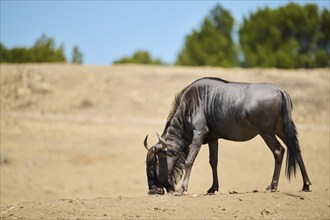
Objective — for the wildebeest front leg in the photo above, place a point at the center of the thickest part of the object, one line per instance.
(195, 147)
(213, 149)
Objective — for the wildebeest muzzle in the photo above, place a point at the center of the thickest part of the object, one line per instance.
(157, 168)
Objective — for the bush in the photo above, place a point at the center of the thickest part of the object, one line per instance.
(139, 57)
(43, 50)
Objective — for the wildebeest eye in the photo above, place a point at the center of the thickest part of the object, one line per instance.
(169, 152)
(172, 155)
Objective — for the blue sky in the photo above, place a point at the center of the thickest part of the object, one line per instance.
(108, 30)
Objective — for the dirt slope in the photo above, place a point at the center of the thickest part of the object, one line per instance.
(71, 145)
(223, 206)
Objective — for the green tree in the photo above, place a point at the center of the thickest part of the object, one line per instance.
(77, 56)
(4, 54)
(212, 44)
(323, 40)
(140, 57)
(44, 50)
(291, 36)
(21, 55)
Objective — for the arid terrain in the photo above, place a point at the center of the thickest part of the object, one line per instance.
(72, 145)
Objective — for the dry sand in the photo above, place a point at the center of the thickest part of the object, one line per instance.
(72, 145)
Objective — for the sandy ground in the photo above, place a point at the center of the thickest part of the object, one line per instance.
(72, 145)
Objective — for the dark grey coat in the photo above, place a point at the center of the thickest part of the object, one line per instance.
(210, 109)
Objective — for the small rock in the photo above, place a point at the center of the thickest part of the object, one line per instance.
(195, 195)
(85, 103)
(265, 212)
(4, 159)
(23, 91)
(44, 87)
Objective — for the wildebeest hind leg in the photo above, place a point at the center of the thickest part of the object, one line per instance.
(278, 152)
(304, 174)
(306, 181)
(213, 149)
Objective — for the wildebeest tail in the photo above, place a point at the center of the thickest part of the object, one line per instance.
(290, 135)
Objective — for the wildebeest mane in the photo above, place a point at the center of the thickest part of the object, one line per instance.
(179, 167)
(175, 105)
(214, 78)
(177, 100)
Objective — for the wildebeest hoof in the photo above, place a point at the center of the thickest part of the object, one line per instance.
(306, 188)
(212, 190)
(179, 192)
(271, 189)
(156, 191)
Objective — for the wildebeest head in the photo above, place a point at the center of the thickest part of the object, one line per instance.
(161, 159)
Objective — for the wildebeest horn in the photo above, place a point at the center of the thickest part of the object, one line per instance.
(162, 141)
(146, 143)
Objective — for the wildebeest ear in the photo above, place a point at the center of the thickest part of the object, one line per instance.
(158, 147)
(162, 141)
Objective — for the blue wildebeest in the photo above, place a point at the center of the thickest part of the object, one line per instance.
(210, 109)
